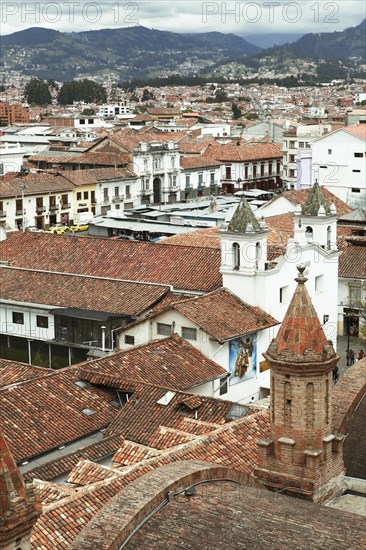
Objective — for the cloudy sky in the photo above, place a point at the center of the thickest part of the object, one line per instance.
(242, 17)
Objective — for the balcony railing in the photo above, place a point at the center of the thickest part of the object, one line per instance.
(66, 206)
(118, 198)
(53, 207)
(2, 214)
(19, 212)
(40, 209)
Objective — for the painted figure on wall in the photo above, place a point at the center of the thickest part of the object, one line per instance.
(242, 358)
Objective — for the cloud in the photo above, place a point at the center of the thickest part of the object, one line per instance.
(239, 17)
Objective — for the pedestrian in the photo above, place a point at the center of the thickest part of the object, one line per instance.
(352, 357)
(335, 374)
(361, 355)
(348, 357)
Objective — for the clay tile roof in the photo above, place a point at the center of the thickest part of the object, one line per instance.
(13, 372)
(192, 403)
(86, 472)
(245, 153)
(51, 492)
(79, 292)
(185, 268)
(233, 445)
(209, 312)
(11, 483)
(35, 184)
(55, 468)
(301, 337)
(197, 161)
(144, 405)
(300, 196)
(352, 261)
(131, 452)
(41, 414)
(243, 219)
(171, 362)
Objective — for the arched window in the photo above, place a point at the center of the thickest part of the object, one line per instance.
(329, 234)
(236, 256)
(309, 233)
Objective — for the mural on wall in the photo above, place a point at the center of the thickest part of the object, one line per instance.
(243, 358)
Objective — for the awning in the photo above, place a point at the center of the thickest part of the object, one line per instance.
(84, 314)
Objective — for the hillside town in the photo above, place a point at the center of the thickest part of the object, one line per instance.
(183, 316)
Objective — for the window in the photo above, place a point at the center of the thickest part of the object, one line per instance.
(18, 318)
(82, 121)
(128, 192)
(86, 194)
(292, 145)
(283, 294)
(129, 339)
(42, 321)
(262, 169)
(212, 178)
(329, 151)
(291, 173)
(164, 329)
(189, 333)
(358, 155)
(355, 190)
(223, 387)
(200, 178)
(319, 283)
(325, 319)
(105, 194)
(116, 191)
(78, 196)
(188, 180)
(307, 145)
(90, 121)
(254, 170)
(292, 158)
(301, 144)
(236, 256)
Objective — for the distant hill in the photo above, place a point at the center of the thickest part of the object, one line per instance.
(337, 45)
(271, 39)
(132, 51)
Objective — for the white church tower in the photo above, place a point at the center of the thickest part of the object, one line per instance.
(320, 219)
(243, 251)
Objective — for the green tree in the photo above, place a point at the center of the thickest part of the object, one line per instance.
(236, 111)
(37, 92)
(84, 90)
(88, 112)
(251, 116)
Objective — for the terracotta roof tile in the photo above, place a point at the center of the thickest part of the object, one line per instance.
(10, 186)
(352, 261)
(185, 268)
(170, 362)
(41, 414)
(79, 292)
(13, 372)
(130, 453)
(232, 445)
(209, 312)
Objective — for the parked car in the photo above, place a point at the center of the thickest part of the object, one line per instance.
(35, 230)
(79, 227)
(57, 229)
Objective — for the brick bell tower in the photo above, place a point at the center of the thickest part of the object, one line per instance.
(19, 509)
(303, 457)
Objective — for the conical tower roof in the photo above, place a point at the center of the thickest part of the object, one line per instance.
(18, 506)
(301, 337)
(243, 220)
(314, 201)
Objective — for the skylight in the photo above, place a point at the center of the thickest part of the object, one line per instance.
(166, 399)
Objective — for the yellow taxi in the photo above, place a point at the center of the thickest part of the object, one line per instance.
(57, 229)
(79, 227)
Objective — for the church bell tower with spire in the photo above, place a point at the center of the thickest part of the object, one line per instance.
(302, 457)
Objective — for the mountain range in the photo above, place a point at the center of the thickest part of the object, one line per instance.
(139, 52)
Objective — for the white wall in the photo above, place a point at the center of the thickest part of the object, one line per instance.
(334, 166)
(29, 329)
(245, 391)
